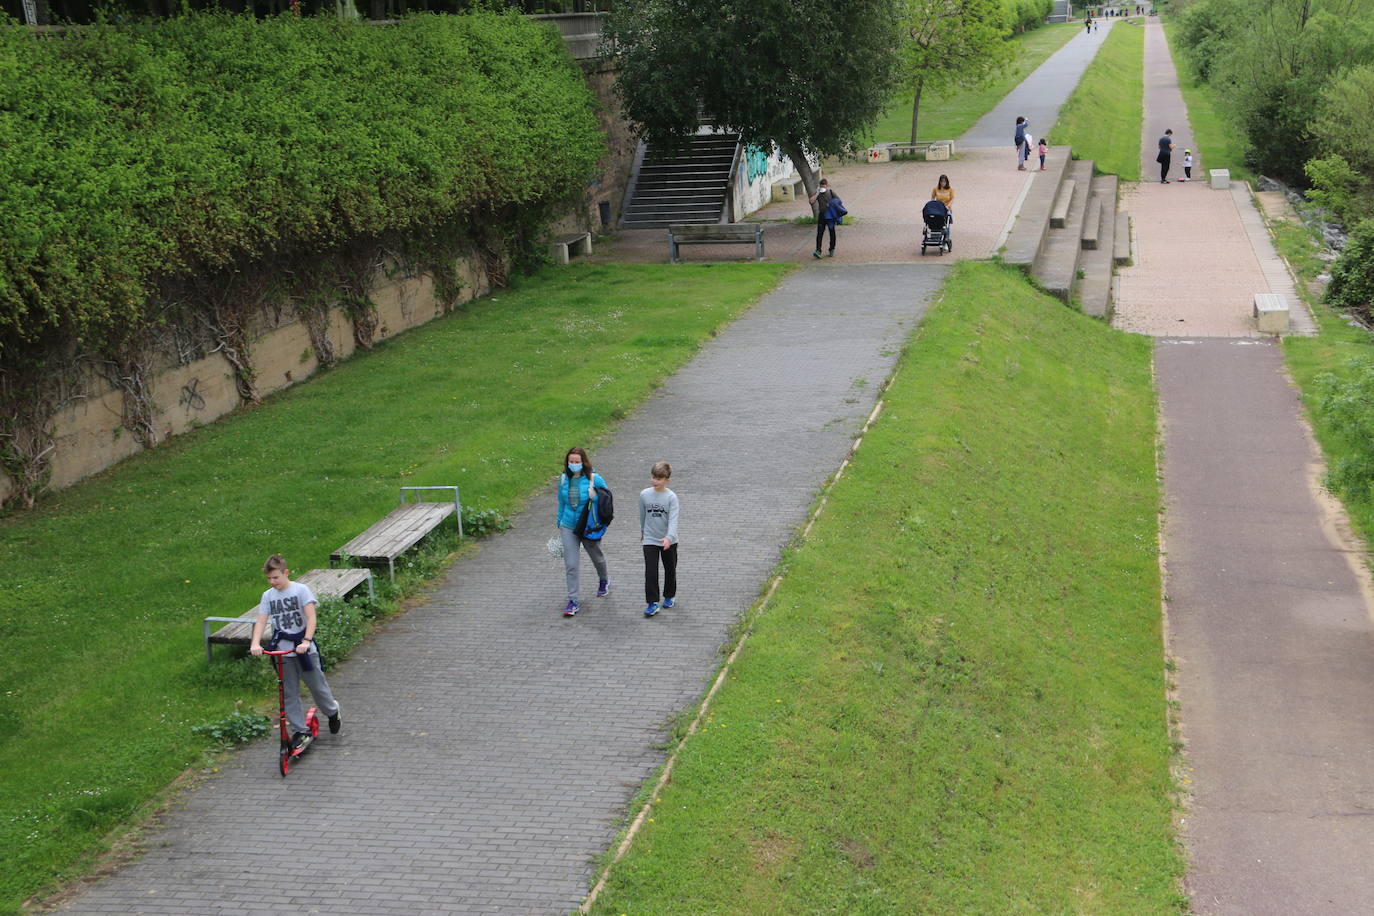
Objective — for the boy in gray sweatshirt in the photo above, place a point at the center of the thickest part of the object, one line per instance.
(658, 531)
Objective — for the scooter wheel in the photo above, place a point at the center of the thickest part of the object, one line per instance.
(285, 762)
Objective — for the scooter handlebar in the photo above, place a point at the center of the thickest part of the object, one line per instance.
(279, 652)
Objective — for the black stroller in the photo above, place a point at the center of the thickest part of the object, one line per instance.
(936, 233)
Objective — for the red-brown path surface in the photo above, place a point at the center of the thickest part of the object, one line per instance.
(1268, 610)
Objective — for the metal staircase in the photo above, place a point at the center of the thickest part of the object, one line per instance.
(686, 184)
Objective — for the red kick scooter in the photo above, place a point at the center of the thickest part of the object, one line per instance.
(312, 721)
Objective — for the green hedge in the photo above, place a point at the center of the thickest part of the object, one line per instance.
(133, 154)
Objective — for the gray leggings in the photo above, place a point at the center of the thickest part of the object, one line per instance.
(571, 560)
(292, 675)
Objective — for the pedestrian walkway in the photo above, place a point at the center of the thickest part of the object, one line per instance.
(1040, 95)
(884, 201)
(1269, 607)
(490, 746)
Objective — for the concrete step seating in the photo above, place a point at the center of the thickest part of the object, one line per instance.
(1121, 247)
(1063, 200)
(1069, 224)
(1057, 262)
(1032, 224)
(1093, 290)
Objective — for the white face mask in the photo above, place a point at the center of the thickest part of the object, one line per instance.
(575, 468)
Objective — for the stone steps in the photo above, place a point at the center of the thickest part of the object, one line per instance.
(1057, 264)
(1094, 289)
(1028, 233)
(1069, 225)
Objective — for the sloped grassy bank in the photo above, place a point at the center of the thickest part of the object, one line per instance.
(103, 676)
(954, 702)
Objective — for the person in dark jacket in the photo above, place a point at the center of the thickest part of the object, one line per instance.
(828, 215)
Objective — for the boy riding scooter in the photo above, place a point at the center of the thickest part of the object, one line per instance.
(291, 607)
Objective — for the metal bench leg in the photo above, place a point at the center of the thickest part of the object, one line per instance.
(672, 250)
(209, 655)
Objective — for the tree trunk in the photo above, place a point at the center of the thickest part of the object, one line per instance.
(916, 109)
(809, 178)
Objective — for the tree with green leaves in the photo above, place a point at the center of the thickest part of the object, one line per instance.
(948, 43)
(805, 76)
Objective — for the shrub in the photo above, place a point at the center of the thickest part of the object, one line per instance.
(1352, 276)
(235, 728)
(136, 153)
(478, 523)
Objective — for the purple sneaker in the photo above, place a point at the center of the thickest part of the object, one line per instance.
(571, 610)
(603, 588)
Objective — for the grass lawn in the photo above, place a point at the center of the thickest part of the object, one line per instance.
(948, 117)
(103, 673)
(1220, 144)
(955, 700)
(1101, 120)
(1334, 352)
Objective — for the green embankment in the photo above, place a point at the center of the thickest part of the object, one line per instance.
(1102, 119)
(955, 700)
(103, 674)
(947, 116)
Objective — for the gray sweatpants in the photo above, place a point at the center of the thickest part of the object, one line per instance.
(571, 560)
(292, 675)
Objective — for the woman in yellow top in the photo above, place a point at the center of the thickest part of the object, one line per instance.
(944, 193)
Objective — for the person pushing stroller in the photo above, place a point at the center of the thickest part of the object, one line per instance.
(938, 216)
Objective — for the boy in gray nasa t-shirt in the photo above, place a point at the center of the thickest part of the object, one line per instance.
(658, 530)
(291, 608)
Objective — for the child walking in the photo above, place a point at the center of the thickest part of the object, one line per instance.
(658, 509)
(1044, 148)
(1187, 165)
(291, 607)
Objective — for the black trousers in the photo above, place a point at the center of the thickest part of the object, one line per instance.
(1164, 166)
(821, 223)
(652, 555)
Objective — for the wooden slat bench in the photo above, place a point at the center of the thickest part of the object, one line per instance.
(325, 583)
(715, 234)
(401, 530)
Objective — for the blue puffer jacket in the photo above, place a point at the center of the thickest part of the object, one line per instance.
(568, 513)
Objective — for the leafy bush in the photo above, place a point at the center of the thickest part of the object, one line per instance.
(1352, 276)
(235, 728)
(478, 523)
(136, 153)
(1339, 189)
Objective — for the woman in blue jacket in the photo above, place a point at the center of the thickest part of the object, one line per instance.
(576, 488)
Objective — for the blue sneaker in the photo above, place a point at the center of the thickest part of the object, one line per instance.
(651, 610)
(603, 588)
(667, 602)
(571, 610)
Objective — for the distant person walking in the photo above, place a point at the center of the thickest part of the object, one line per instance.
(576, 501)
(1166, 154)
(1022, 147)
(1087, 25)
(1044, 148)
(829, 212)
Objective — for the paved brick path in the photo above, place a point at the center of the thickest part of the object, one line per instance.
(490, 746)
(1040, 95)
